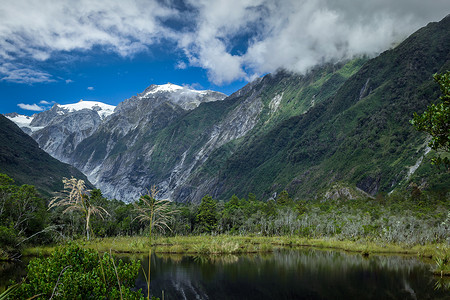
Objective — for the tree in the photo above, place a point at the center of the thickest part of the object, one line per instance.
(436, 120)
(233, 215)
(283, 199)
(22, 215)
(207, 215)
(28, 210)
(75, 198)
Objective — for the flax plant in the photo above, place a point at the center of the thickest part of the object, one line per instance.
(157, 213)
(75, 198)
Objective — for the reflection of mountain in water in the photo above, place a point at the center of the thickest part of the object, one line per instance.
(302, 274)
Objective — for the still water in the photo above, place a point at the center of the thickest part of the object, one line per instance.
(291, 274)
(284, 274)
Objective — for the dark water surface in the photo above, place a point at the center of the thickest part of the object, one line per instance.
(284, 274)
(12, 271)
(291, 274)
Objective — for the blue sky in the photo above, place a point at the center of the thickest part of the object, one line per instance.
(64, 51)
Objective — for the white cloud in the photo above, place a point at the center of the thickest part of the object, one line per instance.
(298, 34)
(193, 86)
(69, 80)
(91, 88)
(32, 107)
(181, 65)
(20, 73)
(292, 34)
(46, 103)
(38, 29)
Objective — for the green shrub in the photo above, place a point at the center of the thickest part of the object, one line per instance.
(9, 239)
(8, 236)
(76, 273)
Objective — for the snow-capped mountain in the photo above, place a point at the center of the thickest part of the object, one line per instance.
(47, 117)
(103, 110)
(61, 130)
(23, 122)
(31, 124)
(186, 98)
(121, 148)
(20, 120)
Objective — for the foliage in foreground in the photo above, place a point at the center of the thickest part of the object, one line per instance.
(76, 273)
(436, 120)
(22, 214)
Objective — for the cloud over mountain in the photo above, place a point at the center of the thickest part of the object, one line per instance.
(32, 107)
(231, 39)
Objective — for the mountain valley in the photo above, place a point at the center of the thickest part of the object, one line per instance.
(340, 126)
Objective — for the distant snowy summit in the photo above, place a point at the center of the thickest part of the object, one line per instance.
(185, 97)
(31, 124)
(103, 110)
(62, 128)
(168, 87)
(172, 88)
(20, 120)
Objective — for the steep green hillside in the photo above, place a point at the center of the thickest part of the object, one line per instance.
(360, 136)
(266, 103)
(23, 160)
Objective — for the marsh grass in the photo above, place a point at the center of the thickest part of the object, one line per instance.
(10, 290)
(75, 197)
(442, 264)
(228, 244)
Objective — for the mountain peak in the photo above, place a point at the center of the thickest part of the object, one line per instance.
(101, 108)
(182, 96)
(170, 88)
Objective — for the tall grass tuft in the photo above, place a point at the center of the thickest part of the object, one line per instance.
(158, 214)
(75, 197)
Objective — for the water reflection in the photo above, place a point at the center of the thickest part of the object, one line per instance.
(287, 274)
(296, 274)
(14, 270)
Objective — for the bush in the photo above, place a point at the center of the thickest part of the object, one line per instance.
(9, 239)
(76, 273)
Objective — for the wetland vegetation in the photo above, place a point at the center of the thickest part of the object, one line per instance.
(416, 225)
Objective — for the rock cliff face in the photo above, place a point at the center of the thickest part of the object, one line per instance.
(110, 144)
(160, 137)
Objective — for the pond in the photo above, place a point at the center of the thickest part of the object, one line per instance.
(292, 274)
(284, 274)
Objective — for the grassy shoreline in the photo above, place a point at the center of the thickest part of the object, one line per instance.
(229, 244)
